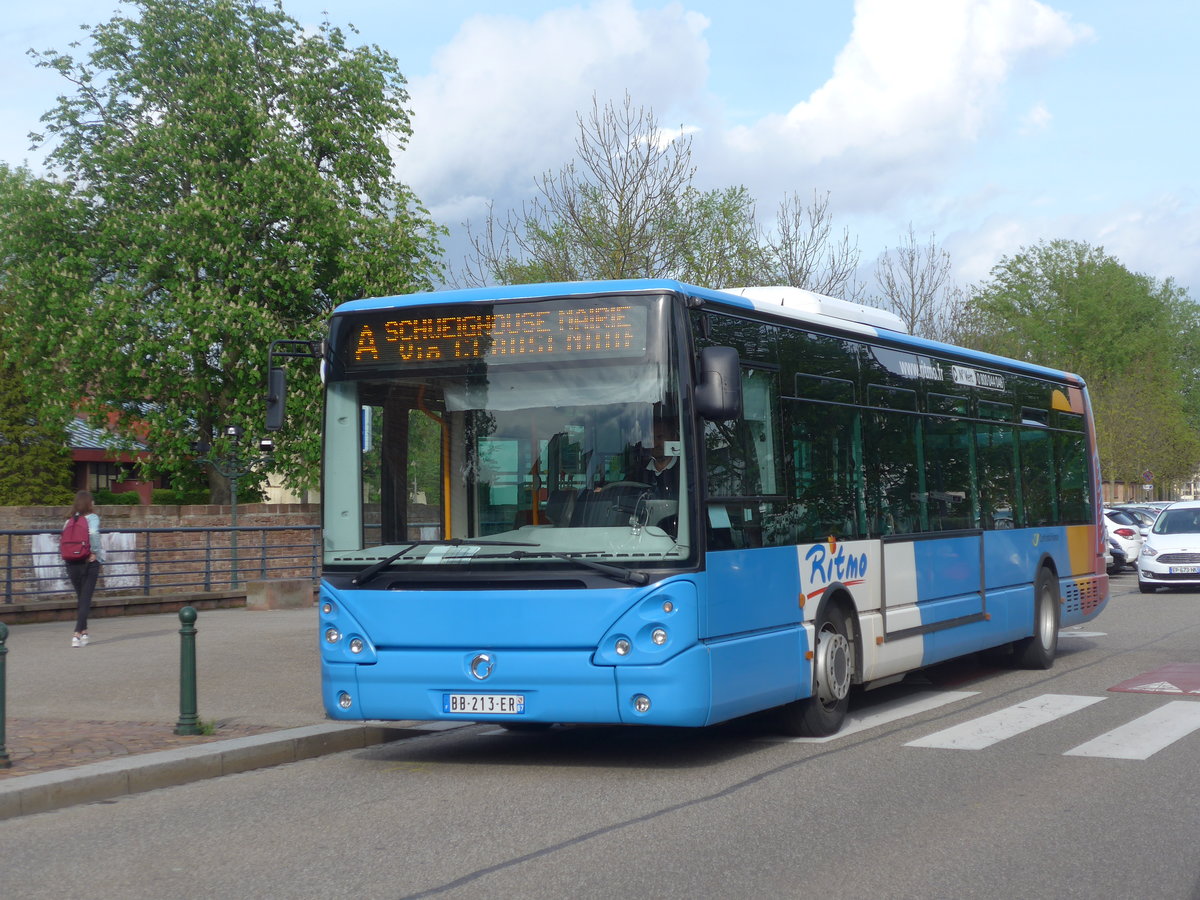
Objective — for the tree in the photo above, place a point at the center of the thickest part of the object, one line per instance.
(803, 252)
(1139, 427)
(914, 280)
(1070, 306)
(625, 208)
(35, 463)
(227, 178)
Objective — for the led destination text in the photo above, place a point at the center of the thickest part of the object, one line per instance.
(591, 331)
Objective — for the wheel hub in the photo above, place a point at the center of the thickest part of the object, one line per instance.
(833, 667)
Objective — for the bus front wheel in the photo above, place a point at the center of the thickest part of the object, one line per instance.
(1037, 651)
(833, 668)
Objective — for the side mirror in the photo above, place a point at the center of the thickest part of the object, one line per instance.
(276, 398)
(719, 385)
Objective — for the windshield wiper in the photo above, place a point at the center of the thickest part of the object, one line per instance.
(629, 576)
(375, 568)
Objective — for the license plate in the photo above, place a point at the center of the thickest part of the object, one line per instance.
(484, 704)
(1185, 570)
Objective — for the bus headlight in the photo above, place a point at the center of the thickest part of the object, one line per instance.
(345, 701)
(332, 635)
(356, 645)
(622, 647)
(659, 636)
(641, 703)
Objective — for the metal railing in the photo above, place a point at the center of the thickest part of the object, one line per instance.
(153, 560)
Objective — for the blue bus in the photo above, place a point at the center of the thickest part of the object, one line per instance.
(646, 502)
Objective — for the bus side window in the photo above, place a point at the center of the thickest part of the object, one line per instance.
(825, 494)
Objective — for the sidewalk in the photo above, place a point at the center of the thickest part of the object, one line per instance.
(98, 721)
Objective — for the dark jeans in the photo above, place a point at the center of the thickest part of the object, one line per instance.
(83, 577)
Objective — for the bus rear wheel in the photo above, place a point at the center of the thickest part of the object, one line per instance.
(833, 668)
(1038, 651)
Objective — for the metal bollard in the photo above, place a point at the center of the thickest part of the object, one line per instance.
(5, 762)
(189, 718)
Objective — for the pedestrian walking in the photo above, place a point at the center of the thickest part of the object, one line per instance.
(82, 555)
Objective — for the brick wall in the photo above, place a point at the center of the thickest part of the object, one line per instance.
(173, 560)
(117, 518)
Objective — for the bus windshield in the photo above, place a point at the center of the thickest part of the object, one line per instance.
(540, 454)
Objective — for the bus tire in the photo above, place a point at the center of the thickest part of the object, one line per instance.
(1038, 651)
(833, 668)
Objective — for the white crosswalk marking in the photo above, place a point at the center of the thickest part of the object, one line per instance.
(1145, 736)
(991, 729)
(882, 714)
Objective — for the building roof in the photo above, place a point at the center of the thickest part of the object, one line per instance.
(81, 436)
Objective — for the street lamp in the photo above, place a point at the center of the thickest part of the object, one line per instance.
(234, 465)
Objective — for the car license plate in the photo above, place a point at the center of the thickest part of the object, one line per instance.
(1185, 570)
(484, 704)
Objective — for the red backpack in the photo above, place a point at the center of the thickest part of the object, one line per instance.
(75, 543)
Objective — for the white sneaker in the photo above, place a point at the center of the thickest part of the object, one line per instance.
(83, 639)
(75, 641)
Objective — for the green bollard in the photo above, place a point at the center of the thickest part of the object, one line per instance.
(5, 762)
(189, 718)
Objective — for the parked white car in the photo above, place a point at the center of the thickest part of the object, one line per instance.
(1171, 554)
(1126, 531)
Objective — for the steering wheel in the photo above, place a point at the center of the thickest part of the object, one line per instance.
(625, 484)
(624, 494)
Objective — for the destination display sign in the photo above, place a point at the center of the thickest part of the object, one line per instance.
(511, 334)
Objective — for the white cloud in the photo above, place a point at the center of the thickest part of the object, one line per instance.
(915, 84)
(911, 95)
(1037, 119)
(1160, 238)
(499, 107)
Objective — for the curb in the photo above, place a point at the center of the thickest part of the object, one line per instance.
(47, 791)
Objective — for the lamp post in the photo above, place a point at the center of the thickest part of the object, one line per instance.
(234, 465)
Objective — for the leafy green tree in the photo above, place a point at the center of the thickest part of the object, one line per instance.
(1069, 305)
(35, 463)
(224, 178)
(1139, 427)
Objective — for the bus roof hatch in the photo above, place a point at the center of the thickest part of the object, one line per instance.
(815, 304)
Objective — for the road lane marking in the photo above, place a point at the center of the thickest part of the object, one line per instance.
(998, 726)
(1174, 678)
(882, 714)
(1146, 735)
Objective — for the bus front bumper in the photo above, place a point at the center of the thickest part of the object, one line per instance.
(444, 685)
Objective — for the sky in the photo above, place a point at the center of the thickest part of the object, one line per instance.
(986, 125)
